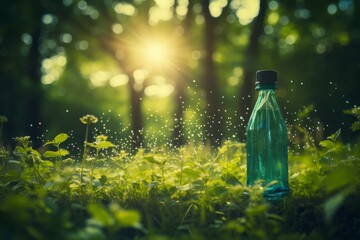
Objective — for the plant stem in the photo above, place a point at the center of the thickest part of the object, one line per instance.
(182, 151)
(39, 177)
(92, 168)
(181, 170)
(163, 173)
(82, 189)
(84, 154)
(227, 163)
(58, 150)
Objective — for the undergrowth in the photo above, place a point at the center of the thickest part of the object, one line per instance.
(186, 193)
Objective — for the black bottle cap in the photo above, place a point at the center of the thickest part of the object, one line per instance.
(266, 79)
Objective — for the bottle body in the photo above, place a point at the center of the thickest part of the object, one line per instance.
(267, 146)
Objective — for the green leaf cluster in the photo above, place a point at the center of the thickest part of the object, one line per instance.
(191, 192)
(60, 138)
(356, 113)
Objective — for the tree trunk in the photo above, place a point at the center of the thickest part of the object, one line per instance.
(250, 67)
(136, 115)
(35, 93)
(213, 132)
(178, 134)
(111, 45)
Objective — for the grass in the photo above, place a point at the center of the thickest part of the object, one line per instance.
(187, 193)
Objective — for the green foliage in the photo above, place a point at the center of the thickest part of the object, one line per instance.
(60, 138)
(114, 217)
(191, 192)
(329, 143)
(356, 113)
(101, 143)
(35, 167)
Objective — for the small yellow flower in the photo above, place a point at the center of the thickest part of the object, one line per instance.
(23, 139)
(88, 119)
(101, 138)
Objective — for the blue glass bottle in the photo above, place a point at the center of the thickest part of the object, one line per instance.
(267, 142)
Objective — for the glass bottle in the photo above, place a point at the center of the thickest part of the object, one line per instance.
(267, 142)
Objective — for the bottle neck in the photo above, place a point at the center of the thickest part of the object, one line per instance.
(262, 86)
(267, 94)
(266, 91)
(266, 100)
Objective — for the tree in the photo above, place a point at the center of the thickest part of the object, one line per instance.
(22, 21)
(183, 77)
(35, 93)
(213, 131)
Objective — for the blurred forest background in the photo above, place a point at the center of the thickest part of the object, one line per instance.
(169, 72)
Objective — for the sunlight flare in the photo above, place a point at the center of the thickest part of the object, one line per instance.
(157, 52)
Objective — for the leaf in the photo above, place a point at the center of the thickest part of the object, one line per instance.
(20, 151)
(230, 179)
(103, 179)
(333, 204)
(327, 144)
(163, 162)
(219, 190)
(93, 145)
(275, 217)
(306, 111)
(354, 111)
(192, 173)
(47, 164)
(101, 215)
(256, 210)
(63, 152)
(104, 145)
(62, 137)
(355, 126)
(34, 152)
(151, 159)
(126, 218)
(235, 226)
(14, 162)
(186, 187)
(341, 177)
(51, 154)
(69, 160)
(222, 150)
(92, 232)
(49, 143)
(333, 137)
